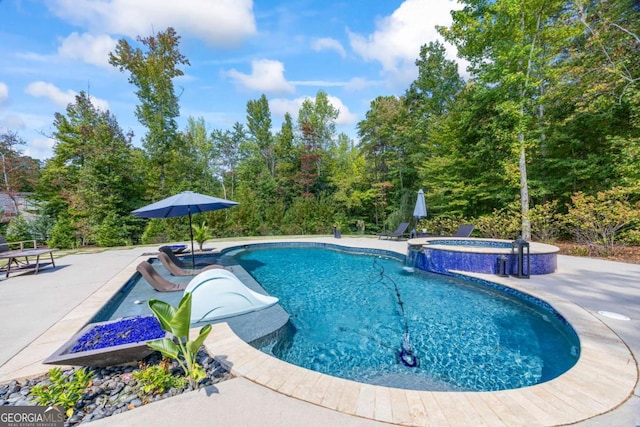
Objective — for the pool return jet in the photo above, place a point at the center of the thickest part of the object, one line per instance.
(405, 354)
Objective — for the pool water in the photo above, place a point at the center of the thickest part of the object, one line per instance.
(346, 320)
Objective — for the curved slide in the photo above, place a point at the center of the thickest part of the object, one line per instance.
(216, 294)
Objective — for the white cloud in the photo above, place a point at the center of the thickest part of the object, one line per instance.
(219, 22)
(4, 92)
(266, 76)
(12, 121)
(88, 48)
(328, 44)
(396, 42)
(280, 106)
(51, 92)
(359, 83)
(40, 148)
(345, 117)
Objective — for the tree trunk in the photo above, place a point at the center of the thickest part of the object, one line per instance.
(524, 190)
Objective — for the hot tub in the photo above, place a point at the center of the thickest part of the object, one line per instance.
(444, 254)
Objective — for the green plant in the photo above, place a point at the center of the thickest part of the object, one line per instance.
(61, 390)
(442, 226)
(201, 234)
(18, 229)
(177, 321)
(155, 379)
(546, 223)
(112, 231)
(63, 234)
(597, 220)
(501, 223)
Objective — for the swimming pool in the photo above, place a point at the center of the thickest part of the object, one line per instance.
(346, 320)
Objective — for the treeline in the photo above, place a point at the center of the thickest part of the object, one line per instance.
(549, 115)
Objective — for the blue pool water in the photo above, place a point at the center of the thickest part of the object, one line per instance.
(346, 321)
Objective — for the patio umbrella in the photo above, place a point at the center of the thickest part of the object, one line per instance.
(185, 203)
(420, 211)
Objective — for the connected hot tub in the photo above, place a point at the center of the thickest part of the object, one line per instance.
(444, 254)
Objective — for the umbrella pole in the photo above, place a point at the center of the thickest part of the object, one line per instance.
(193, 256)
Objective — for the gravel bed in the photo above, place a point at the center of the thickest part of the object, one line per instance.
(113, 389)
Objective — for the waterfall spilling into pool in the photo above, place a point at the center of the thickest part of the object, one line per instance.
(469, 336)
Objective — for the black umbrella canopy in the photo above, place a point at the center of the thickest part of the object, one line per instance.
(185, 203)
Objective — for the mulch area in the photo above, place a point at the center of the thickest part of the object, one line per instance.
(628, 254)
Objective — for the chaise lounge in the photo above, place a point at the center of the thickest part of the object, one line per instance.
(464, 230)
(177, 261)
(156, 280)
(401, 231)
(176, 270)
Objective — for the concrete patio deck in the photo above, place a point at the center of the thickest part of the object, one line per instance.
(40, 312)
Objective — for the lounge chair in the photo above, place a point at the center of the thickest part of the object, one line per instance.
(464, 230)
(156, 280)
(176, 270)
(177, 261)
(401, 231)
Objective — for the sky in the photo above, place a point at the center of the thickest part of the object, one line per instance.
(354, 50)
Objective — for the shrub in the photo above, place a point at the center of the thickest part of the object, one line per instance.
(546, 223)
(597, 220)
(155, 232)
(501, 223)
(18, 229)
(62, 390)
(155, 379)
(441, 226)
(112, 231)
(63, 234)
(41, 227)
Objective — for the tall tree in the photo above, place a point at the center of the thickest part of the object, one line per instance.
(259, 125)
(19, 173)
(317, 131)
(152, 71)
(92, 177)
(227, 156)
(504, 40)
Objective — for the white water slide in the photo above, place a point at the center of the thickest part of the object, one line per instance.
(217, 294)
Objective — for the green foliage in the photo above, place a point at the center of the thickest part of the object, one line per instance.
(152, 71)
(155, 379)
(155, 232)
(552, 96)
(19, 229)
(62, 389)
(442, 226)
(201, 233)
(92, 176)
(177, 321)
(501, 223)
(63, 234)
(546, 222)
(112, 231)
(597, 220)
(41, 227)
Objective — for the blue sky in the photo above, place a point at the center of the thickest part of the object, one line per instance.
(238, 49)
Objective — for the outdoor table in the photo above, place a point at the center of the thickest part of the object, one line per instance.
(15, 258)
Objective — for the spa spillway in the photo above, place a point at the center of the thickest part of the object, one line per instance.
(444, 254)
